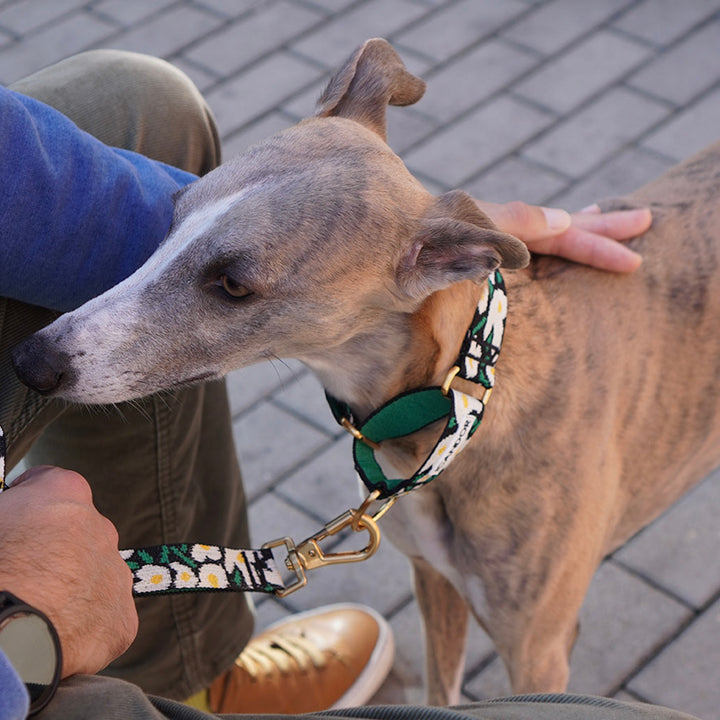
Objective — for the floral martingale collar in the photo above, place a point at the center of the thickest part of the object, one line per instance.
(413, 410)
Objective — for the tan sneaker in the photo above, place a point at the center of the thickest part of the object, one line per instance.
(334, 656)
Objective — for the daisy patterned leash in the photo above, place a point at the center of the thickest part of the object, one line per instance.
(183, 567)
(194, 567)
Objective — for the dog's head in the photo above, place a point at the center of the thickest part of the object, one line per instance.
(314, 237)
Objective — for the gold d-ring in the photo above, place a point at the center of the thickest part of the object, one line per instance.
(357, 434)
(452, 372)
(366, 503)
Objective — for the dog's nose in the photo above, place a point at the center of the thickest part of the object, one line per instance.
(37, 366)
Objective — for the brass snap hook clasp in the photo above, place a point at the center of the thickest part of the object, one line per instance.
(309, 555)
(312, 555)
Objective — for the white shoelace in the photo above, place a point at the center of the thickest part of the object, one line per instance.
(279, 652)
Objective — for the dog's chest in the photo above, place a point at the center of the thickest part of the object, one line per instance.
(418, 526)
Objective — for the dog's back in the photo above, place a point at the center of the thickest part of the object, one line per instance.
(605, 411)
(669, 398)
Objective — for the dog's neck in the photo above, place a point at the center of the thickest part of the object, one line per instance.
(408, 351)
(417, 350)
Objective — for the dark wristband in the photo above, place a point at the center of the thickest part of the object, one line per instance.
(31, 644)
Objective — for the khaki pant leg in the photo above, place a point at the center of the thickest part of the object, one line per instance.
(81, 696)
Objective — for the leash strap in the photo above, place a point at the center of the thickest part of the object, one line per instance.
(411, 411)
(185, 567)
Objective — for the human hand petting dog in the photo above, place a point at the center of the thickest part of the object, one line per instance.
(60, 555)
(589, 237)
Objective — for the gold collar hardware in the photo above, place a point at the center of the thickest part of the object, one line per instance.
(452, 372)
(451, 375)
(366, 503)
(308, 554)
(345, 422)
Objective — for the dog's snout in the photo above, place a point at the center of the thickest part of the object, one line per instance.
(38, 366)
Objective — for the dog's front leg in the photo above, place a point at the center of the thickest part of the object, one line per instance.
(534, 632)
(445, 621)
(539, 664)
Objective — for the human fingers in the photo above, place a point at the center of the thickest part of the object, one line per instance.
(618, 225)
(591, 237)
(56, 483)
(588, 248)
(82, 583)
(527, 222)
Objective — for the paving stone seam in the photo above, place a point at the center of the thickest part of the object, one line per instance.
(636, 696)
(200, 5)
(669, 46)
(508, 90)
(638, 39)
(696, 614)
(87, 10)
(655, 584)
(677, 109)
(225, 79)
(91, 8)
(636, 142)
(488, 167)
(237, 72)
(276, 480)
(331, 14)
(317, 517)
(19, 38)
(287, 45)
(648, 658)
(465, 50)
(658, 99)
(283, 383)
(544, 59)
(307, 419)
(607, 158)
(605, 24)
(473, 673)
(433, 11)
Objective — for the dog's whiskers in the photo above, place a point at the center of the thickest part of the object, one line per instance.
(271, 358)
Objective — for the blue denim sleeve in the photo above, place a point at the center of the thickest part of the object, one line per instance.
(76, 216)
(14, 698)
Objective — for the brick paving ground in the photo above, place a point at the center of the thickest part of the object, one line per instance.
(550, 101)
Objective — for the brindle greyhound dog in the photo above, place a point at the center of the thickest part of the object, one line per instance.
(318, 244)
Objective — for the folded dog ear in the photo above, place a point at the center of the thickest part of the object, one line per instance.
(373, 77)
(456, 241)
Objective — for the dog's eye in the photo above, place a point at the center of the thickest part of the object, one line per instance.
(232, 288)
